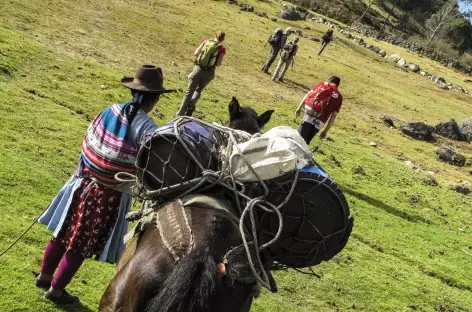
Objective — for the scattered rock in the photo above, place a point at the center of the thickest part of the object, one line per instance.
(358, 170)
(277, 96)
(299, 33)
(174, 64)
(394, 58)
(439, 80)
(291, 14)
(373, 144)
(261, 14)
(334, 160)
(418, 130)
(382, 53)
(273, 19)
(388, 120)
(450, 156)
(414, 68)
(424, 74)
(460, 189)
(317, 149)
(414, 199)
(246, 7)
(430, 181)
(443, 86)
(450, 130)
(466, 129)
(402, 63)
(313, 38)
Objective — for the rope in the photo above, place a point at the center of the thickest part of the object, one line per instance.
(24, 233)
(224, 177)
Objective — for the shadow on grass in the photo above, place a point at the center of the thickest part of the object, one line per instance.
(385, 207)
(75, 308)
(296, 85)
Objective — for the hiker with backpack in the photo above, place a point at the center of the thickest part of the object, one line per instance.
(276, 41)
(208, 55)
(323, 102)
(326, 39)
(286, 59)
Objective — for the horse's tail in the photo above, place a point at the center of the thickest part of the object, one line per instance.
(188, 286)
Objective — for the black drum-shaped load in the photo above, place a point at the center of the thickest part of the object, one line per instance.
(316, 221)
(166, 167)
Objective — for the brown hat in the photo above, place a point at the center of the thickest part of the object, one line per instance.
(148, 79)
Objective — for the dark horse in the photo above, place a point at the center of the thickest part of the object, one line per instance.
(148, 277)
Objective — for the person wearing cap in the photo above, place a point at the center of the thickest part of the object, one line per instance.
(286, 59)
(275, 42)
(209, 55)
(87, 215)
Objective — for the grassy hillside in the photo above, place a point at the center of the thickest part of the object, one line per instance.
(61, 62)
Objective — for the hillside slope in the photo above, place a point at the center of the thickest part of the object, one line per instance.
(61, 62)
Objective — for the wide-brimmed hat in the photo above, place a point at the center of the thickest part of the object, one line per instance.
(148, 79)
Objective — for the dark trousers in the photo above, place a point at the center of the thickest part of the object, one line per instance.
(323, 46)
(271, 59)
(307, 131)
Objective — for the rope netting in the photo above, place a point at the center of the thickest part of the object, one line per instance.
(190, 155)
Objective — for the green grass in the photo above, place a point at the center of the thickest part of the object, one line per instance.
(61, 62)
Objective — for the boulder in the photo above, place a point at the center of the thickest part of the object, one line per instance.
(450, 130)
(418, 130)
(388, 120)
(423, 73)
(394, 58)
(402, 63)
(443, 86)
(299, 33)
(291, 14)
(382, 53)
(414, 68)
(450, 156)
(465, 128)
(440, 80)
(460, 189)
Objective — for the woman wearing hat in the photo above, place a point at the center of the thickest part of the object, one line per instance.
(87, 215)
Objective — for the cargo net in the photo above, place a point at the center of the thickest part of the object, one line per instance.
(178, 160)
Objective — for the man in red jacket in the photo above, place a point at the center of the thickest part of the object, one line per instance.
(323, 102)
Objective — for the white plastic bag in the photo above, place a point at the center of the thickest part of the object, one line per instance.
(273, 154)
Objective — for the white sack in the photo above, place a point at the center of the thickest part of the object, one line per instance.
(273, 154)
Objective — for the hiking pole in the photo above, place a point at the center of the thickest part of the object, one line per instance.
(267, 41)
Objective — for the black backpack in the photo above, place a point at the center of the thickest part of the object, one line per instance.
(275, 38)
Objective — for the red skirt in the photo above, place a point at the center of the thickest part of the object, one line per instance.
(90, 219)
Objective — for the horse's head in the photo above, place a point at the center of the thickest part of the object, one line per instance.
(245, 118)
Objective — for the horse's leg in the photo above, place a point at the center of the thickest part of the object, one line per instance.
(140, 277)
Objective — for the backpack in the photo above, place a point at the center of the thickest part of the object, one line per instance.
(319, 98)
(208, 56)
(289, 49)
(275, 38)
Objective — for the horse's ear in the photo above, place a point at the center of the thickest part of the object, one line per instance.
(264, 118)
(234, 108)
